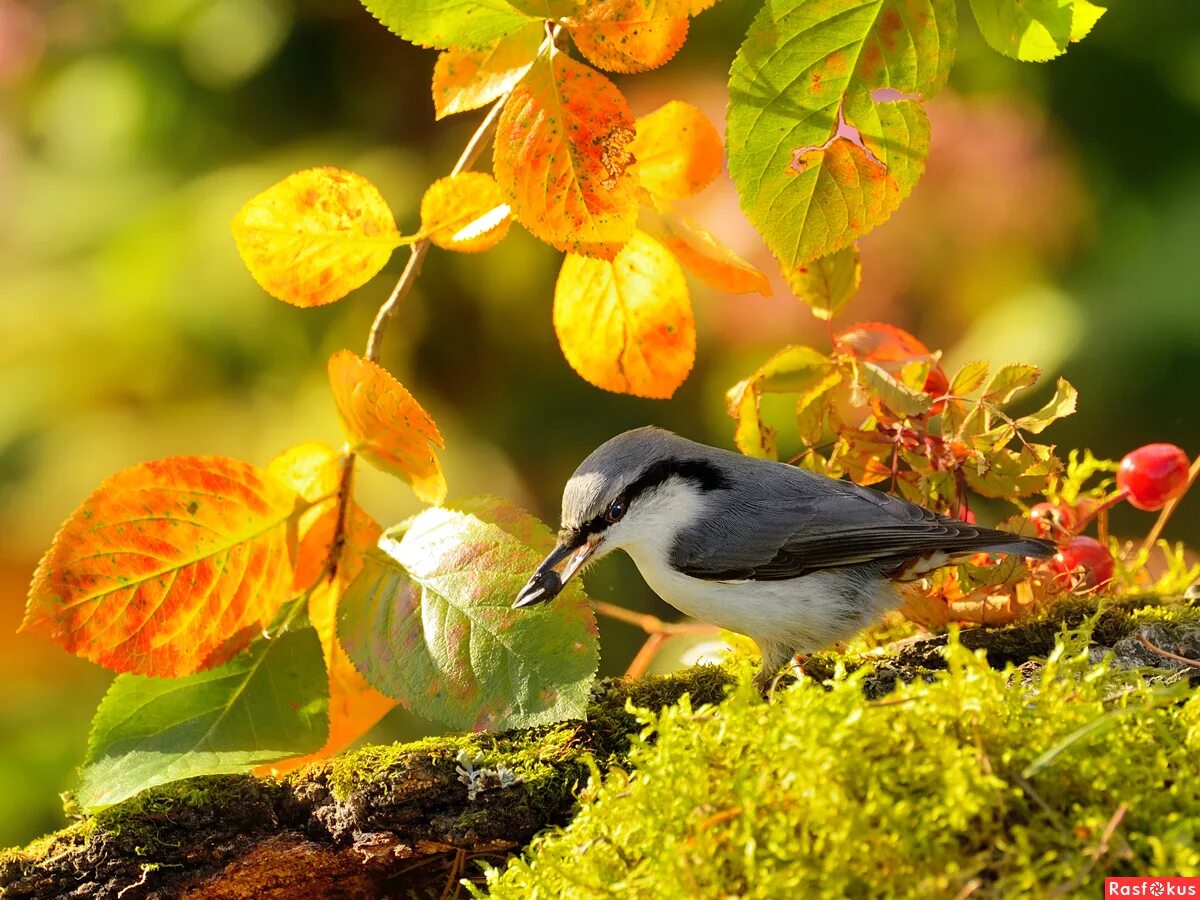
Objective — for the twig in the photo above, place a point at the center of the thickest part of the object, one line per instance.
(1167, 510)
(417, 252)
(648, 623)
(645, 655)
(1167, 654)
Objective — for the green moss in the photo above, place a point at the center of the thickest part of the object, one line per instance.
(995, 783)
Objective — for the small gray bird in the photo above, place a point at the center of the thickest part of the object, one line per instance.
(792, 559)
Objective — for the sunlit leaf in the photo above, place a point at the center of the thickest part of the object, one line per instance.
(1034, 30)
(316, 236)
(826, 130)
(791, 370)
(1005, 474)
(813, 406)
(829, 283)
(562, 155)
(386, 425)
(969, 378)
(678, 150)
(630, 35)
(860, 455)
(468, 79)
(1059, 406)
(429, 621)
(880, 342)
(165, 563)
(465, 212)
(702, 254)
(876, 383)
(448, 23)
(1009, 381)
(265, 704)
(626, 325)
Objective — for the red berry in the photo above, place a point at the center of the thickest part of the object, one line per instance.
(1153, 474)
(1053, 520)
(1084, 562)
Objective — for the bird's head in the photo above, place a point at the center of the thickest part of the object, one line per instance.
(637, 489)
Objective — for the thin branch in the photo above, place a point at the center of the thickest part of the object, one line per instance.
(648, 623)
(1166, 654)
(416, 254)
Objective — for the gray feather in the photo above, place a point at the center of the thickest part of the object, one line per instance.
(770, 521)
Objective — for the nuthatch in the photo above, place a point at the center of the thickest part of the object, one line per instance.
(792, 559)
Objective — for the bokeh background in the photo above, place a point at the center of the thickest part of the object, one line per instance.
(1058, 223)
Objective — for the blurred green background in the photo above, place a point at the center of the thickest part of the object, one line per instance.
(1058, 223)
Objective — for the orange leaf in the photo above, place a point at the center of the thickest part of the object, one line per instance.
(386, 425)
(314, 471)
(630, 35)
(678, 151)
(316, 236)
(354, 706)
(561, 155)
(626, 325)
(164, 564)
(469, 79)
(704, 256)
(465, 212)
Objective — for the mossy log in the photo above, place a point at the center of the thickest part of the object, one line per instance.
(404, 820)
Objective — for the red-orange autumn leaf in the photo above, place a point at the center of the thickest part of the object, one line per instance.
(469, 79)
(316, 236)
(626, 325)
(314, 471)
(678, 151)
(166, 563)
(561, 156)
(630, 35)
(465, 212)
(703, 255)
(386, 425)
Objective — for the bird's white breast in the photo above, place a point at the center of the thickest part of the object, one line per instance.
(805, 613)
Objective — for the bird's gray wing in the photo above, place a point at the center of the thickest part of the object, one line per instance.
(785, 523)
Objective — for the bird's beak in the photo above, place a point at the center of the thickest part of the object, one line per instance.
(556, 570)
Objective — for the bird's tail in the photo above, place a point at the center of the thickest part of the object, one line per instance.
(1015, 545)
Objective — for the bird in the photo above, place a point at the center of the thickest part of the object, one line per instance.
(794, 560)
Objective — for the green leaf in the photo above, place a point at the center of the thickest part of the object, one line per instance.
(429, 621)
(876, 382)
(829, 283)
(446, 24)
(1034, 30)
(969, 378)
(1062, 404)
(826, 129)
(266, 704)
(1009, 381)
(792, 370)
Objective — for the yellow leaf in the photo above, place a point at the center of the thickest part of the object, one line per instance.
(468, 79)
(829, 283)
(316, 236)
(626, 325)
(386, 425)
(561, 157)
(630, 35)
(678, 151)
(465, 212)
(704, 256)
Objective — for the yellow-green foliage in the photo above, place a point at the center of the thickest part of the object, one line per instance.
(978, 782)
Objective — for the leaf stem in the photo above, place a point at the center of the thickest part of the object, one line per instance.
(417, 252)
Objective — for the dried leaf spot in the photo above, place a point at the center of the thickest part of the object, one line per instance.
(615, 156)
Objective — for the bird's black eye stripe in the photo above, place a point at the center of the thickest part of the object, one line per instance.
(703, 474)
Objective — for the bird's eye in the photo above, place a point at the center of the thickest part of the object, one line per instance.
(615, 510)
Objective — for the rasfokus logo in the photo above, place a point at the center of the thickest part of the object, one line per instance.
(1152, 887)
